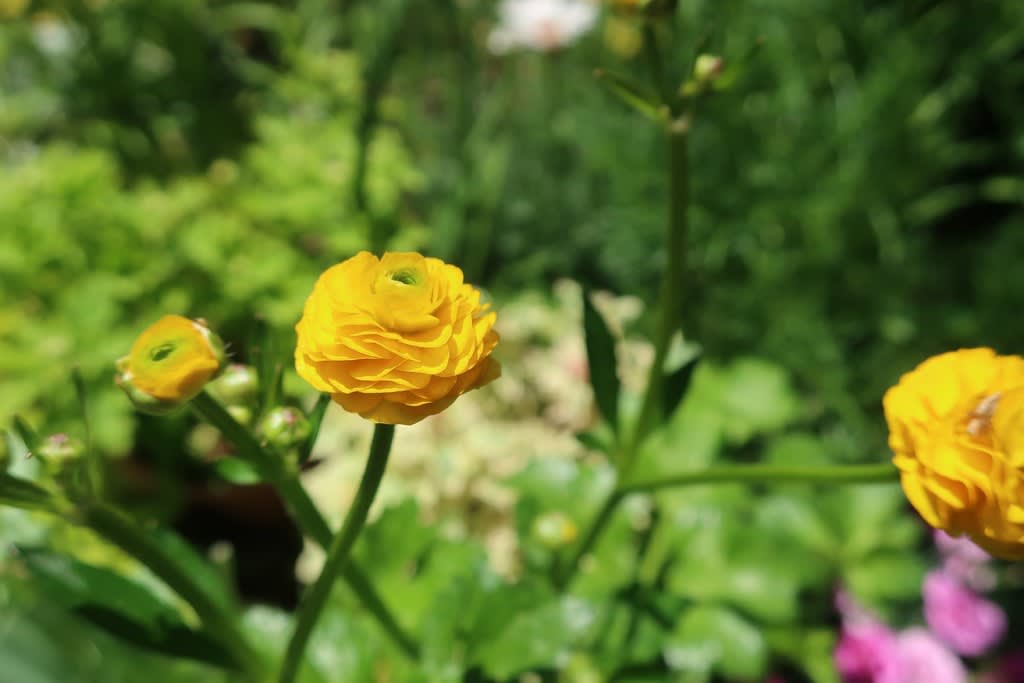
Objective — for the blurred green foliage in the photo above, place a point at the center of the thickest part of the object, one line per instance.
(856, 208)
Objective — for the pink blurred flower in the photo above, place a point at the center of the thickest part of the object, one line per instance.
(926, 660)
(868, 652)
(965, 561)
(961, 618)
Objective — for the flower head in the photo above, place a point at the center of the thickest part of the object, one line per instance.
(959, 617)
(956, 428)
(395, 339)
(169, 363)
(543, 25)
(925, 660)
(867, 653)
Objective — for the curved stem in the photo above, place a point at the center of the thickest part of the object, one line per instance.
(772, 474)
(314, 600)
(307, 516)
(601, 520)
(123, 532)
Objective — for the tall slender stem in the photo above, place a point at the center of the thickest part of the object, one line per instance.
(337, 555)
(772, 474)
(305, 512)
(671, 296)
(123, 532)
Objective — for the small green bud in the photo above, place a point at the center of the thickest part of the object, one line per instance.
(285, 427)
(707, 68)
(554, 530)
(237, 384)
(241, 414)
(60, 449)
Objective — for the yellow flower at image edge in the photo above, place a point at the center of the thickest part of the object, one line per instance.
(395, 339)
(956, 429)
(169, 363)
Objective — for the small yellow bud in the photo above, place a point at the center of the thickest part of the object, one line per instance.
(555, 530)
(169, 363)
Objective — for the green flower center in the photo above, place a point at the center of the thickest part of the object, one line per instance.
(405, 276)
(161, 352)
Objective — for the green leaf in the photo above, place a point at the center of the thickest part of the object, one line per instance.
(121, 607)
(677, 383)
(27, 435)
(632, 94)
(604, 376)
(714, 638)
(316, 418)
(537, 638)
(887, 576)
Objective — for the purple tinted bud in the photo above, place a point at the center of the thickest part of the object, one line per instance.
(867, 653)
(959, 617)
(926, 660)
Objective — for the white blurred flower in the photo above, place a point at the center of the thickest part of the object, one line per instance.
(544, 25)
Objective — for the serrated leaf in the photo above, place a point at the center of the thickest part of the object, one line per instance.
(604, 378)
(121, 607)
(316, 418)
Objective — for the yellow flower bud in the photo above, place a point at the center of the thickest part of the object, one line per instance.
(555, 530)
(395, 339)
(169, 364)
(956, 428)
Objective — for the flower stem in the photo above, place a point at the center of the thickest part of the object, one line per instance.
(123, 532)
(601, 520)
(771, 474)
(726, 474)
(337, 555)
(305, 512)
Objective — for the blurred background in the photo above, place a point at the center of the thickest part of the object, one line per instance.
(856, 194)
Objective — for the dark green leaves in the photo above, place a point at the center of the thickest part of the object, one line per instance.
(604, 376)
(121, 607)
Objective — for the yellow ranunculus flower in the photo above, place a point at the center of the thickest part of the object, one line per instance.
(169, 363)
(395, 339)
(956, 428)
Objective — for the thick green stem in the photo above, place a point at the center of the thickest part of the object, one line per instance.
(772, 474)
(302, 508)
(673, 285)
(123, 532)
(337, 555)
